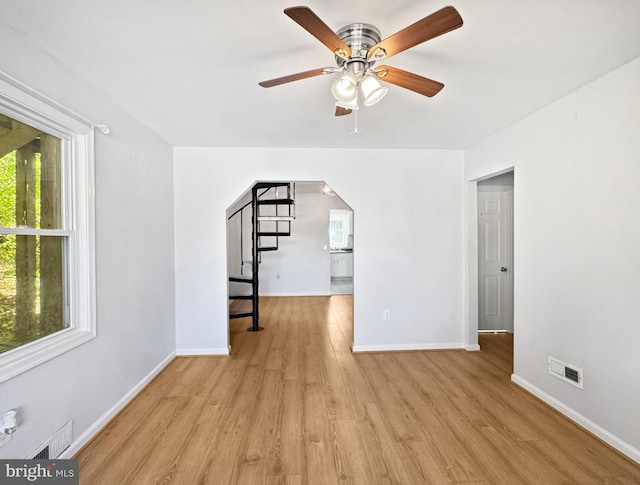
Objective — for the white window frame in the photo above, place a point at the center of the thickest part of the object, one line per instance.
(342, 215)
(78, 228)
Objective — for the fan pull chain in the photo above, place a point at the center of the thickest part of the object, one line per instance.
(355, 131)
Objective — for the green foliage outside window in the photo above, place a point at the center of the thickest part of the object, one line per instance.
(22, 318)
(7, 247)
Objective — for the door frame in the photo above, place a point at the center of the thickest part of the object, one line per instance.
(471, 259)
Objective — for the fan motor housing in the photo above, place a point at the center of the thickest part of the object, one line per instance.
(360, 38)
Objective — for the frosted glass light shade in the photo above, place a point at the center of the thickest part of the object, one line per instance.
(345, 88)
(372, 90)
(349, 103)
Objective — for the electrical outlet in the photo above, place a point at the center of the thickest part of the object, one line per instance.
(386, 314)
(4, 438)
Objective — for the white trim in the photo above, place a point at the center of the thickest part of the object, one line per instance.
(495, 188)
(405, 347)
(215, 351)
(25, 357)
(470, 304)
(472, 348)
(29, 231)
(620, 445)
(77, 139)
(22, 89)
(102, 421)
(471, 254)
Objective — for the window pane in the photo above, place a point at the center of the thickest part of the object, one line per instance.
(338, 228)
(32, 288)
(337, 233)
(30, 176)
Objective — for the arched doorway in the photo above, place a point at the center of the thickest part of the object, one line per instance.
(296, 258)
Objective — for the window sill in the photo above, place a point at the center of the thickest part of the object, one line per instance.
(28, 356)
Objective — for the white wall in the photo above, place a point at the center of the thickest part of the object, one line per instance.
(301, 265)
(303, 260)
(135, 268)
(577, 258)
(408, 207)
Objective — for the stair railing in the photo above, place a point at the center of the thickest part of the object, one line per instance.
(263, 194)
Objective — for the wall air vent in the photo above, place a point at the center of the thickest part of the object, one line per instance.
(55, 445)
(572, 374)
(566, 372)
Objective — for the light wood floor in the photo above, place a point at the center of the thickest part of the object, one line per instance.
(293, 405)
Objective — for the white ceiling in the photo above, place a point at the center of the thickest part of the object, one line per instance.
(190, 69)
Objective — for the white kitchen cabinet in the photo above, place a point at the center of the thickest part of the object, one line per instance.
(341, 265)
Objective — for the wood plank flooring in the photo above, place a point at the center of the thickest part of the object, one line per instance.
(292, 405)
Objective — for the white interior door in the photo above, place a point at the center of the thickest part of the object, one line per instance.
(495, 268)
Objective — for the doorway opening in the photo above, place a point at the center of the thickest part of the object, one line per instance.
(495, 253)
(294, 254)
(341, 249)
(495, 263)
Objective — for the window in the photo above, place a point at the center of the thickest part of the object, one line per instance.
(47, 287)
(339, 229)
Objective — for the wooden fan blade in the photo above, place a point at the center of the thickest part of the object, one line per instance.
(409, 80)
(292, 77)
(340, 111)
(309, 21)
(438, 23)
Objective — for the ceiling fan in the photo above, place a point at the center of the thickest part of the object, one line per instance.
(357, 47)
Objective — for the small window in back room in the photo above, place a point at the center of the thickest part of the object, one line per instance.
(339, 229)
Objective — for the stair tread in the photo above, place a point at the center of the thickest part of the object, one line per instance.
(240, 313)
(268, 248)
(276, 201)
(241, 279)
(274, 233)
(268, 185)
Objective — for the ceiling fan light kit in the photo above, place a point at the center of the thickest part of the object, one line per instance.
(358, 46)
(345, 88)
(372, 90)
(348, 104)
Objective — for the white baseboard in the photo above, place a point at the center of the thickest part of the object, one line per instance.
(405, 347)
(92, 430)
(215, 351)
(620, 445)
(472, 348)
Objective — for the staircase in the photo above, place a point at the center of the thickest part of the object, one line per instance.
(272, 210)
